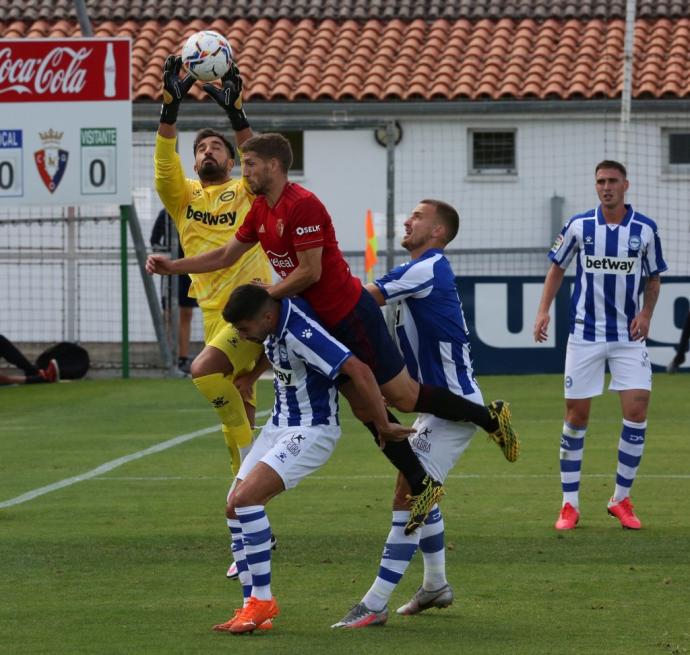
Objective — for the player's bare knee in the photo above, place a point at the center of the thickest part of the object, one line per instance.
(636, 415)
(210, 360)
(199, 368)
(401, 495)
(237, 500)
(577, 414)
(401, 501)
(577, 421)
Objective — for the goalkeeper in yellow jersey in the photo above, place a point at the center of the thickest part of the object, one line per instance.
(207, 212)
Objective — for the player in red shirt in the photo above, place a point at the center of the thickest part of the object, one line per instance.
(297, 234)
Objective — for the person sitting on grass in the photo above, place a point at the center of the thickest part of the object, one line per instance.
(32, 374)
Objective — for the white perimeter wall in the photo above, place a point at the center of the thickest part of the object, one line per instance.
(347, 169)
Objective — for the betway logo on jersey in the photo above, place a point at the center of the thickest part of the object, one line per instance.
(618, 265)
(207, 218)
(308, 229)
(284, 375)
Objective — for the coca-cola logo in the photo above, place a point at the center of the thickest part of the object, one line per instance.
(59, 71)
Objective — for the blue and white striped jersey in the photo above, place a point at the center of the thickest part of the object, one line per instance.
(611, 260)
(430, 326)
(306, 360)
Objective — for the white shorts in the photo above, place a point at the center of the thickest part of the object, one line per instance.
(438, 443)
(293, 453)
(585, 364)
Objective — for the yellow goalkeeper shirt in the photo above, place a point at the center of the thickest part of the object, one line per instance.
(206, 217)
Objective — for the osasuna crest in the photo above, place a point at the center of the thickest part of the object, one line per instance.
(51, 160)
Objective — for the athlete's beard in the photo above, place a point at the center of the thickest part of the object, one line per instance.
(407, 242)
(210, 171)
(258, 188)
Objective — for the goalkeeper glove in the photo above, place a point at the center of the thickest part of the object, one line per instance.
(174, 89)
(229, 97)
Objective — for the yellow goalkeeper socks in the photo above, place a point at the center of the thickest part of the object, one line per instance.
(221, 392)
(232, 437)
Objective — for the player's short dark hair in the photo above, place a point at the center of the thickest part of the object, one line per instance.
(270, 145)
(610, 163)
(207, 132)
(245, 303)
(448, 215)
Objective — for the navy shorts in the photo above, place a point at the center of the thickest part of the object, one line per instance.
(183, 300)
(365, 333)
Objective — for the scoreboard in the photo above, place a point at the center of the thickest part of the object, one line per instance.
(65, 122)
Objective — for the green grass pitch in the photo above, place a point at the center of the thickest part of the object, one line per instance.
(133, 560)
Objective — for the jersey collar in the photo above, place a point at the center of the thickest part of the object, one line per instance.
(626, 219)
(430, 253)
(280, 197)
(285, 308)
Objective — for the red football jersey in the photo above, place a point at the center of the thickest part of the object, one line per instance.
(299, 221)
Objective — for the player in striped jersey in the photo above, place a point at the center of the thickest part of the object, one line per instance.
(297, 440)
(433, 337)
(615, 247)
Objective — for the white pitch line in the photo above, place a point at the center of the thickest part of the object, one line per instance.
(112, 464)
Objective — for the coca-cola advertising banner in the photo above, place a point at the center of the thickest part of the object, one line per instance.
(63, 70)
(65, 122)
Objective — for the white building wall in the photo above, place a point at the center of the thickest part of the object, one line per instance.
(556, 156)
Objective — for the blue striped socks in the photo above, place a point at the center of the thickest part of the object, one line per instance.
(630, 447)
(240, 558)
(397, 554)
(256, 537)
(432, 545)
(572, 446)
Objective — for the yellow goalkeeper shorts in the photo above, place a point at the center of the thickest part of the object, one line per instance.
(223, 335)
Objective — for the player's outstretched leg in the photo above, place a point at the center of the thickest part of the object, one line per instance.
(421, 504)
(425, 490)
(504, 436)
(494, 418)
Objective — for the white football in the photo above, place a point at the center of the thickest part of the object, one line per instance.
(207, 55)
